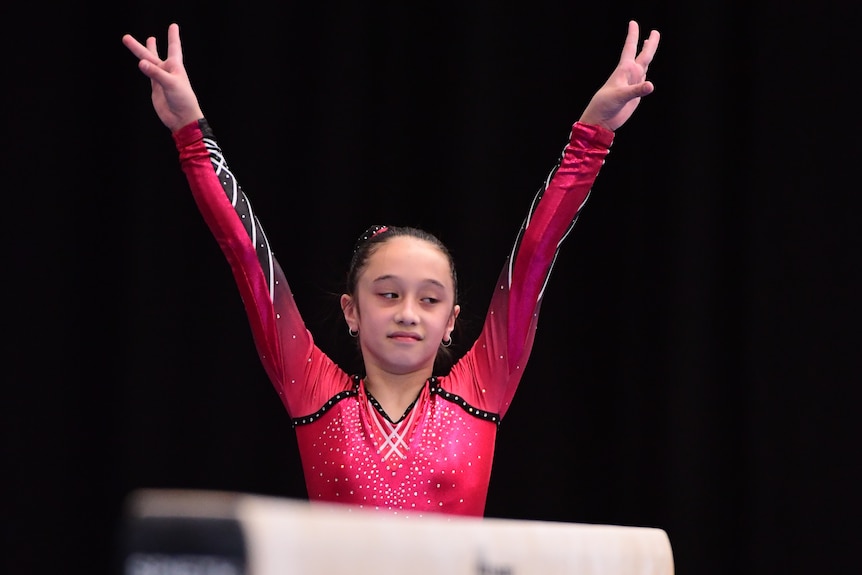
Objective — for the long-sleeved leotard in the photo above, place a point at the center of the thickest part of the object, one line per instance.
(437, 458)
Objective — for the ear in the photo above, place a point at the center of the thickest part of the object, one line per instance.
(450, 325)
(351, 314)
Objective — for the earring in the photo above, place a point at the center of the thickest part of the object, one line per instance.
(446, 342)
(352, 332)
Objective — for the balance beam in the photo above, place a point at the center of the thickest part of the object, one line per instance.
(189, 532)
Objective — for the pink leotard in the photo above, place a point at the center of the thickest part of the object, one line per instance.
(436, 459)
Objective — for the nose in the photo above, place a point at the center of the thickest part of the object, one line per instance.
(407, 312)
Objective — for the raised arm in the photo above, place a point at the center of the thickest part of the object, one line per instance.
(504, 346)
(283, 342)
(173, 98)
(613, 104)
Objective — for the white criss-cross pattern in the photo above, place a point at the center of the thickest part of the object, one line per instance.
(393, 435)
(234, 195)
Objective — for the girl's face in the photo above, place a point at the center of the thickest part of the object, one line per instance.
(403, 306)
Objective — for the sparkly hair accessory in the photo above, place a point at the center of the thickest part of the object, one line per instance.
(369, 233)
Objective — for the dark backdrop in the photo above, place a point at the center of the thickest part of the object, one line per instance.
(696, 367)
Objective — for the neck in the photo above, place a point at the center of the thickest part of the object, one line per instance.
(395, 393)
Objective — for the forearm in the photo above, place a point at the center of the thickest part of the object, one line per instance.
(232, 221)
(552, 215)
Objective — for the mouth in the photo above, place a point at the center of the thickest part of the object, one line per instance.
(405, 336)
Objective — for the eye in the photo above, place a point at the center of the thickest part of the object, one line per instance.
(430, 300)
(388, 295)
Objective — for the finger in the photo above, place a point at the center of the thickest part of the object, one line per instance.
(139, 50)
(650, 45)
(630, 47)
(175, 49)
(635, 92)
(152, 46)
(644, 89)
(133, 45)
(154, 72)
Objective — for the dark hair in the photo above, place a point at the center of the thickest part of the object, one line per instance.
(368, 243)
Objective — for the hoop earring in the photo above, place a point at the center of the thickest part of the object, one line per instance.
(353, 333)
(446, 342)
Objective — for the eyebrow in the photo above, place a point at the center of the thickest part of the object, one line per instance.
(385, 277)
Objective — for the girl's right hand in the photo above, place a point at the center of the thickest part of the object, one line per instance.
(173, 98)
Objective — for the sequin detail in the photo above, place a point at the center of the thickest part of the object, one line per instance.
(433, 387)
(426, 462)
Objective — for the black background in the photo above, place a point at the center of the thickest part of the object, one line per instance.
(697, 363)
